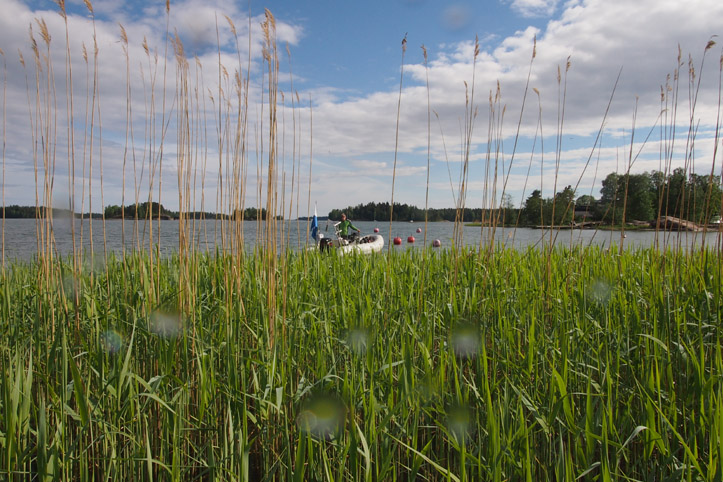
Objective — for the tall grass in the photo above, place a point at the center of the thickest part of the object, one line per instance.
(612, 374)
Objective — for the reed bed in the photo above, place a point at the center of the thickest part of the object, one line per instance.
(283, 364)
(610, 371)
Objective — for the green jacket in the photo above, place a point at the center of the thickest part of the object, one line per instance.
(344, 227)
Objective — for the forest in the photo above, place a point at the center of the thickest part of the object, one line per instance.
(624, 198)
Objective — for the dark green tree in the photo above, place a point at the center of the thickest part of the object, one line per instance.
(532, 211)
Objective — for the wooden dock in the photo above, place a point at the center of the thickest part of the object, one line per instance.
(669, 223)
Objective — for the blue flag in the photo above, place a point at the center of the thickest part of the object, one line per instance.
(314, 225)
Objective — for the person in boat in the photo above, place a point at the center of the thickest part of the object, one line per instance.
(344, 227)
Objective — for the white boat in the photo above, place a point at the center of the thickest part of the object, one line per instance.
(367, 244)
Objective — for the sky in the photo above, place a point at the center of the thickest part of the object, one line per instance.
(512, 96)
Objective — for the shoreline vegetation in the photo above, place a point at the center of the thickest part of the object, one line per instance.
(129, 212)
(456, 364)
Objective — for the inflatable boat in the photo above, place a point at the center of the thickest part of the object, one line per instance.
(370, 243)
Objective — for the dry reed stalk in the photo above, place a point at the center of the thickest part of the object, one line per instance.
(297, 154)
(162, 140)
(396, 140)
(627, 177)
(429, 145)
(311, 157)
(293, 144)
(715, 152)
(138, 179)
(5, 84)
(203, 139)
(259, 164)
(71, 145)
(489, 199)
(85, 144)
(33, 137)
(220, 145)
(538, 127)
(561, 104)
(70, 139)
(671, 105)
(446, 158)
(94, 100)
(285, 231)
(271, 58)
(239, 148)
(182, 157)
(153, 159)
(517, 133)
(423, 278)
(39, 134)
(542, 149)
(124, 46)
(468, 129)
(708, 196)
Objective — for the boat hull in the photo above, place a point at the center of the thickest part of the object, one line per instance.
(372, 243)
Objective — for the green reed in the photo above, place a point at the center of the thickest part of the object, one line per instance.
(612, 370)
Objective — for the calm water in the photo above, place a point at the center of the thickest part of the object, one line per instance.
(21, 240)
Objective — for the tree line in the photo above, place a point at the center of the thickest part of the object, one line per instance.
(15, 211)
(373, 211)
(142, 210)
(629, 198)
(623, 198)
(157, 210)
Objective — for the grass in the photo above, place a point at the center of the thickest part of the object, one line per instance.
(610, 370)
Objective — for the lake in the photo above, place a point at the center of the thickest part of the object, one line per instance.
(20, 241)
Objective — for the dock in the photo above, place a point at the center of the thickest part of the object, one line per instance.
(669, 223)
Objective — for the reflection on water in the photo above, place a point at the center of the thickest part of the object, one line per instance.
(208, 235)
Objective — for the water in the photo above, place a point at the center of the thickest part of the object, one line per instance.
(21, 240)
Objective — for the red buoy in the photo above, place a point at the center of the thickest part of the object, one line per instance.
(376, 230)
(410, 239)
(397, 241)
(437, 243)
(419, 230)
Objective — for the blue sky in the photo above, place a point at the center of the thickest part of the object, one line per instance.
(345, 62)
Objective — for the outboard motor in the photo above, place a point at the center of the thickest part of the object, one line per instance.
(325, 244)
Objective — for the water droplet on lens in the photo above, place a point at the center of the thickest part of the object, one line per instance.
(358, 340)
(465, 341)
(426, 389)
(460, 422)
(456, 17)
(68, 287)
(112, 341)
(165, 324)
(322, 417)
(600, 292)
